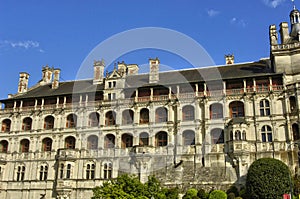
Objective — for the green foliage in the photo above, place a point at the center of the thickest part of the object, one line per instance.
(267, 178)
(238, 198)
(190, 194)
(296, 185)
(129, 187)
(231, 196)
(233, 189)
(217, 194)
(202, 194)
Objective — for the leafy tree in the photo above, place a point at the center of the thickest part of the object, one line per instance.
(202, 194)
(217, 194)
(190, 194)
(233, 189)
(231, 195)
(267, 178)
(129, 187)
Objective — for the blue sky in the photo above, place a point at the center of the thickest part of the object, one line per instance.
(63, 33)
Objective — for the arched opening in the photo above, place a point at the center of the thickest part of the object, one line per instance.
(47, 144)
(24, 146)
(127, 117)
(236, 109)
(109, 141)
(49, 122)
(127, 140)
(70, 142)
(161, 115)
(188, 137)
(144, 116)
(295, 129)
(94, 119)
(216, 111)
(144, 139)
(266, 134)
(3, 146)
(161, 139)
(217, 136)
(238, 135)
(293, 104)
(71, 121)
(6, 125)
(92, 142)
(27, 124)
(110, 118)
(188, 113)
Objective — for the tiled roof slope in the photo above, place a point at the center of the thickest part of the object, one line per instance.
(253, 69)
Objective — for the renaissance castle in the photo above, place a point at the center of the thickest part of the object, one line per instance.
(186, 127)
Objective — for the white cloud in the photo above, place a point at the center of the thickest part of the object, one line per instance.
(212, 13)
(239, 22)
(273, 3)
(27, 44)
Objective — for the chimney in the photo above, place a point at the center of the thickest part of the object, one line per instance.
(284, 32)
(229, 59)
(154, 70)
(47, 75)
(122, 68)
(132, 69)
(55, 82)
(98, 72)
(23, 82)
(273, 35)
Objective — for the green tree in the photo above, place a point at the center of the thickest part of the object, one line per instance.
(129, 187)
(267, 178)
(190, 194)
(202, 194)
(217, 194)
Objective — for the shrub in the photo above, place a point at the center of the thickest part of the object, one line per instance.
(190, 194)
(234, 190)
(217, 194)
(202, 194)
(231, 196)
(267, 178)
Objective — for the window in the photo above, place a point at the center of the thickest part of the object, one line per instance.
(110, 118)
(43, 172)
(188, 113)
(236, 109)
(238, 135)
(109, 141)
(217, 136)
(109, 84)
(114, 83)
(68, 173)
(94, 119)
(188, 137)
(161, 139)
(71, 121)
(127, 117)
(61, 171)
(26, 125)
(244, 135)
(216, 111)
(295, 129)
(20, 173)
(6, 125)
(144, 116)
(127, 140)
(90, 171)
(293, 104)
(3, 146)
(24, 146)
(107, 173)
(47, 144)
(264, 107)
(161, 115)
(144, 139)
(266, 134)
(49, 122)
(70, 142)
(92, 142)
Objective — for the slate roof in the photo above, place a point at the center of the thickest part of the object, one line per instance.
(235, 71)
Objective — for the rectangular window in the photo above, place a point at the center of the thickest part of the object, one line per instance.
(263, 137)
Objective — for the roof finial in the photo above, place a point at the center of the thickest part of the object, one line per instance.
(294, 5)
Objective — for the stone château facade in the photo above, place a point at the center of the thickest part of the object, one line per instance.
(61, 139)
